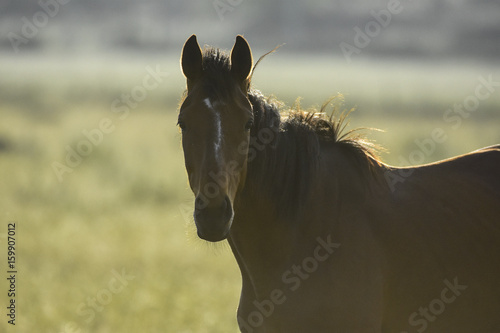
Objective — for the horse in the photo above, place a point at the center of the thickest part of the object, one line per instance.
(327, 237)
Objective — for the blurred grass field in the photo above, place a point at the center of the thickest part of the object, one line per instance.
(125, 208)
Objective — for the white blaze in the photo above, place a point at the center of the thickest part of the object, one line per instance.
(218, 129)
(208, 103)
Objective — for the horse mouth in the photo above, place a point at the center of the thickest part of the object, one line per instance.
(213, 223)
(212, 236)
(212, 231)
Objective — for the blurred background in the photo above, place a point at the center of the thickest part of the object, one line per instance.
(91, 165)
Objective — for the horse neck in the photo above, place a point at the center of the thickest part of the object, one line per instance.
(269, 225)
(291, 197)
(260, 242)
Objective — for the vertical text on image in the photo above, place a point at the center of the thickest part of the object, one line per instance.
(11, 272)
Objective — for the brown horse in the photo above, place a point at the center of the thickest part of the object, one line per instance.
(327, 237)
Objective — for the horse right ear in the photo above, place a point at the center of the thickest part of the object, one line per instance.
(241, 61)
(191, 61)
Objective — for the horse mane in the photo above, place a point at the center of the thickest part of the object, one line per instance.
(288, 164)
(216, 64)
(288, 161)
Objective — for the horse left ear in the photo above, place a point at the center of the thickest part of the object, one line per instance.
(241, 60)
(191, 61)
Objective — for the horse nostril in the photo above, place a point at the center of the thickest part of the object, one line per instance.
(227, 203)
(228, 207)
(199, 203)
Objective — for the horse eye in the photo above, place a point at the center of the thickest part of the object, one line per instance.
(249, 125)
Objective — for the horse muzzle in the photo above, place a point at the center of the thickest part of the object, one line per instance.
(213, 219)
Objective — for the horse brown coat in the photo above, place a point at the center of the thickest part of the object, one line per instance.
(327, 237)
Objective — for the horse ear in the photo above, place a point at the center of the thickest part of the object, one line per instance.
(191, 60)
(241, 59)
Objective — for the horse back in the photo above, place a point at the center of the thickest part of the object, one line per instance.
(440, 231)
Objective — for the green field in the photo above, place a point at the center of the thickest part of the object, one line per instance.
(124, 209)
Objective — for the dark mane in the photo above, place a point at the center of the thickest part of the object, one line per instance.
(217, 73)
(215, 61)
(299, 134)
(216, 64)
(288, 163)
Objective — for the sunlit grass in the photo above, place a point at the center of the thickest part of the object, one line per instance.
(119, 209)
